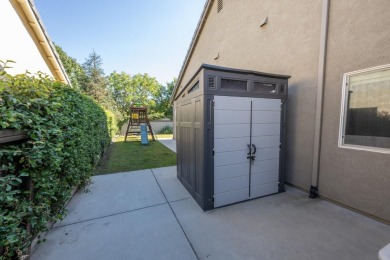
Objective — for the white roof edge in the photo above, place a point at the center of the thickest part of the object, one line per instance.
(30, 12)
(197, 32)
(52, 47)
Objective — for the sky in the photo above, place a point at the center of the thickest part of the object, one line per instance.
(134, 36)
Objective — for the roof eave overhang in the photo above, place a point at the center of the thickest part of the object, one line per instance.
(194, 40)
(30, 18)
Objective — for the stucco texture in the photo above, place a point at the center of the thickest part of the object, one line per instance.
(288, 44)
(16, 44)
(359, 38)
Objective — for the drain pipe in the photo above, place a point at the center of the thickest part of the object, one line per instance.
(320, 98)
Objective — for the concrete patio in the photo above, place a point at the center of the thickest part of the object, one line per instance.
(169, 143)
(149, 215)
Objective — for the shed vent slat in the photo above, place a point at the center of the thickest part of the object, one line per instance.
(220, 5)
(211, 82)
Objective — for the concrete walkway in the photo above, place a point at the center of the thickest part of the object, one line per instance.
(149, 215)
(170, 143)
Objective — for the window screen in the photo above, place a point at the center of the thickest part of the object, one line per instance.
(266, 88)
(367, 110)
(220, 5)
(233, 84)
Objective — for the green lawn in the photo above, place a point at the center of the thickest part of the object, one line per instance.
(132, 155)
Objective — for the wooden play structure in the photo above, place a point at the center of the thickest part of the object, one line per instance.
(138, 116)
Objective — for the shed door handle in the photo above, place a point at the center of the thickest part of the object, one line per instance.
(254, 147)
(250, 150)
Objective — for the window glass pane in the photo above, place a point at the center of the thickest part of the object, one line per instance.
(368, 110)
(232, 84)
(194, 88)
(282, 89)
(266, 88)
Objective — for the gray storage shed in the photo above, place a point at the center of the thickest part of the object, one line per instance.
(230, 135)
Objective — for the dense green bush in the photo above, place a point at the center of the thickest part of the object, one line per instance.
(166, 130)
(112, 122)
(67, 133)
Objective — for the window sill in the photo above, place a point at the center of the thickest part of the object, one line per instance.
(365, 148)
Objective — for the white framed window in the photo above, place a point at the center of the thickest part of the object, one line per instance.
(365, 111)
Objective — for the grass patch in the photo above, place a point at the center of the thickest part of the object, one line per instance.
(132, 155)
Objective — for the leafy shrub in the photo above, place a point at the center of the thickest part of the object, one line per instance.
(166, 130)
(112, 122)
(67, 135)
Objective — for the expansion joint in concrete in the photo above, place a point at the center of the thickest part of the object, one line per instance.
(174, 214)
(110, 215)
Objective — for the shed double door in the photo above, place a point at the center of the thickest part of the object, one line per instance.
(246, 148)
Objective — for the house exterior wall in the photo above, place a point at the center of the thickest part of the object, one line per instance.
(358, 38)
(288, 44)
(16, 44)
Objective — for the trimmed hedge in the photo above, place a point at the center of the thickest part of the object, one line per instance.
(112, 123)
(67, 132)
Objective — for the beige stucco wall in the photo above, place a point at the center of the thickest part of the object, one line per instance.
(16, 43)
(359, 38)
(288, 44)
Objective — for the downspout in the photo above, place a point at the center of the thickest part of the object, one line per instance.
(174, 119)
(320, 99)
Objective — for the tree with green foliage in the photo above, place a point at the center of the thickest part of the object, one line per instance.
(118, 91)
(163, 99)
(96, 85)
(93, 65)
(75, 71)
(90, 80)
(137, 90)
